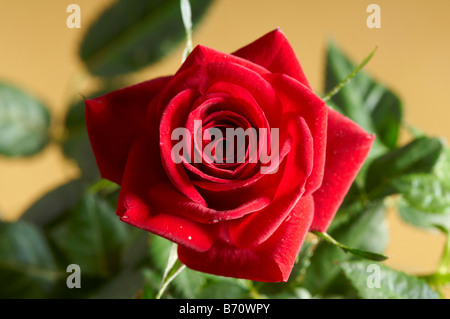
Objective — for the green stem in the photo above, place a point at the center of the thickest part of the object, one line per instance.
(357, 252)
(173, 269)
(355, 71)
(186, 15)
(329, 239)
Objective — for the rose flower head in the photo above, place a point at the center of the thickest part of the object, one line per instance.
(234, 158)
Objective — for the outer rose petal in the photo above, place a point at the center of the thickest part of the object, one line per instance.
(172, 118)
(347, 147)
(114, 119)
(255, 228)
(271, 261)
(202, 55)
(274, 52)
(144, 172)
(179, 230)
(296, 98)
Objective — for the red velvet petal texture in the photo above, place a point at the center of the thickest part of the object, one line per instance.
(114, 119)
(298, 99)
(174, 117)
(255, 228)
(143, 175)
(202, 55)
(274, 52)
(271, 261)
(147, 192)
(347, 148)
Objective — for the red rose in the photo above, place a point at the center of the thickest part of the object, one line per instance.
(228, 219)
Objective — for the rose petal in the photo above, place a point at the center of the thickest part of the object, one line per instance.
(249, 107)
(274, 52)
(211, 113)
(180, 230)
(297, 98)
(143, 174)
(181, 206)
(261, 90)
(222, 186)
(230, 194)
(232, 98)
(202, 55)
(347, 148)
(255, 228)
(271, 261)
(114, 119)
(173, 117)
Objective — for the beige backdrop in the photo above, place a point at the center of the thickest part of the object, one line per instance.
(39, 53)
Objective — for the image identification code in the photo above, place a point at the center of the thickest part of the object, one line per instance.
(227, 308)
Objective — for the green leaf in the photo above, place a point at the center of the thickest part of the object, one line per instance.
(437, 279)
(123, 286)
(76, 143)
(355, 71)
(133, 33)
(24, 123)
(159, 251)
(422, 219)
(442, 168)
(350, 98)
(418, 156)
(77, 147)
(133, 280)
(297, 293)
(129, 282)
(151, 284)
(189, 283)
(223, 288)
(92, 237)
(424, 192)
(357, 252)
(54, 204)
(27, 265)
(366, 230)
(392, 285)
(370, 104)
(386, 112)
(135, 253)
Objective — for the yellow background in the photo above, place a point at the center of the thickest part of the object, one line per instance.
(39, 53)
